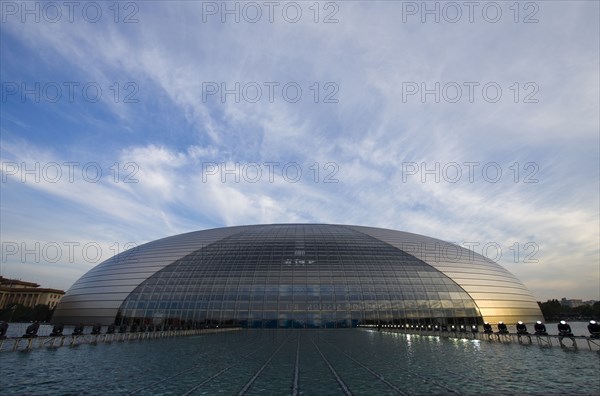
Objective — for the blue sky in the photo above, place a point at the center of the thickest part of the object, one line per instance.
(159, 121)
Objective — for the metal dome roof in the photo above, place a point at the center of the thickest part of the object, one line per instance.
(117, 284)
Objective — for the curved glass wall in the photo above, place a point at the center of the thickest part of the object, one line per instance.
(500, 296)
(298, 276)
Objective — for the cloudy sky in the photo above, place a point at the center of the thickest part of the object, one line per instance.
(126, 122)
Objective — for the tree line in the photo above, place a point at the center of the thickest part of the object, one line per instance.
(20, 313)
(554, 310)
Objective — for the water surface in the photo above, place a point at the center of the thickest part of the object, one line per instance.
(308, 362)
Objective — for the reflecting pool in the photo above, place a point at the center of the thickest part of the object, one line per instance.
(298, 362)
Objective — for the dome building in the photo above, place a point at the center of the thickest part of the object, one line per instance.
(297, 275)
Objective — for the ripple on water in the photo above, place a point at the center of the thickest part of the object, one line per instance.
(365, 362)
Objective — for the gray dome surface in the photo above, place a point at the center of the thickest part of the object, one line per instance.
(297, 275)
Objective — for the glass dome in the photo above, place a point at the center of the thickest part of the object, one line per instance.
(297, 275)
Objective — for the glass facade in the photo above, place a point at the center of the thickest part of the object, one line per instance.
(499, 295)
(294, 275)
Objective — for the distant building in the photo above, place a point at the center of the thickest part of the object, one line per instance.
(574, 303)
(28, 294)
